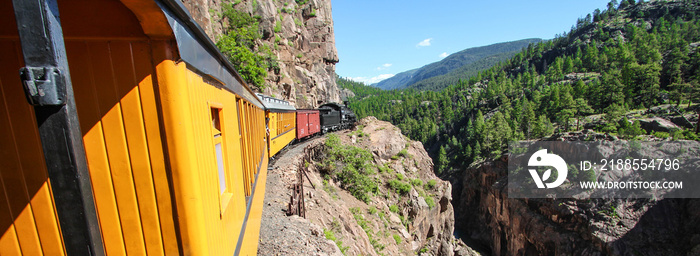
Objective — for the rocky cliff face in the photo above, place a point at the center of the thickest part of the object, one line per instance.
(301, 33)
(505, 226)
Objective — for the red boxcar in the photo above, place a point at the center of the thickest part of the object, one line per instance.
(308, 122)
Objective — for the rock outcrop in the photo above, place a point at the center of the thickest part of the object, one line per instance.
(300, 34)
(419, 221)
(486, 216)
(657, 124)
(431, 225)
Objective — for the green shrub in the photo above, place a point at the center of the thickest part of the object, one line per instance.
(278, 28)
(331, 236)
(356, 172)
(690, 135)
(400, 187)
(416, 182)
(628, 130)
(421, 192)
(372, 210)
(383, 168)
(431, 203)
(403, 153)
(397, 238)
(358, 183)
(609, 128)
(661, 135)
(430, 184)
(364, 224)
(394, 208)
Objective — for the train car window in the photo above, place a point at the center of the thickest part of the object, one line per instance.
(218, 147)
(216, 121)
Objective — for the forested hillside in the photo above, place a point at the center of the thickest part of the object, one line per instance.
(612, 66)
(466, 62)
(437, 83)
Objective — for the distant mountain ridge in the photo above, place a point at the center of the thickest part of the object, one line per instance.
(467, 62)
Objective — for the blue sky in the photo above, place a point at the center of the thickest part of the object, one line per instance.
(380, 38)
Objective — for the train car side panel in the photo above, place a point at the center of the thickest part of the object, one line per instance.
(281, 127)
(217, 143)
(302, 124)
(308, 122)
(114, 90)
(314, 122)
(172, 80)
(248, 244)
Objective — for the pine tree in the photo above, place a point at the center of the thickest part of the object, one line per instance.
(590, 59)
(528, 118)
(543, 127)
(442, 160)
(479, 126)
(582, 108)
(467, 153)
(476, 153)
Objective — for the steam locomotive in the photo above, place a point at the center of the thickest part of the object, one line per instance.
(336, 117)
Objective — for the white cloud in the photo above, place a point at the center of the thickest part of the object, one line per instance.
(385, 66)
(424, 43)
(443, 55)
(371, 80)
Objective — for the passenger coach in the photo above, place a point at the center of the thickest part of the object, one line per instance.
(126, 132)
(281, 121)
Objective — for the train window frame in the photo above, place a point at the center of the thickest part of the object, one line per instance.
(218, 137)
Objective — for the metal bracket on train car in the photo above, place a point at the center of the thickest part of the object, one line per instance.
(44, 86)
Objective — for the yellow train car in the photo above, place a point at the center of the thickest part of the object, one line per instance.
(281, 121)
(125, 132)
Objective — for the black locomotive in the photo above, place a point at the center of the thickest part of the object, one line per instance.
(335, 117)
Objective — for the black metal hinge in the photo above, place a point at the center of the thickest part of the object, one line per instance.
(44, 86)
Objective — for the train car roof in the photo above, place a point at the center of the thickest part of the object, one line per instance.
(274, 104)
(198, 51)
